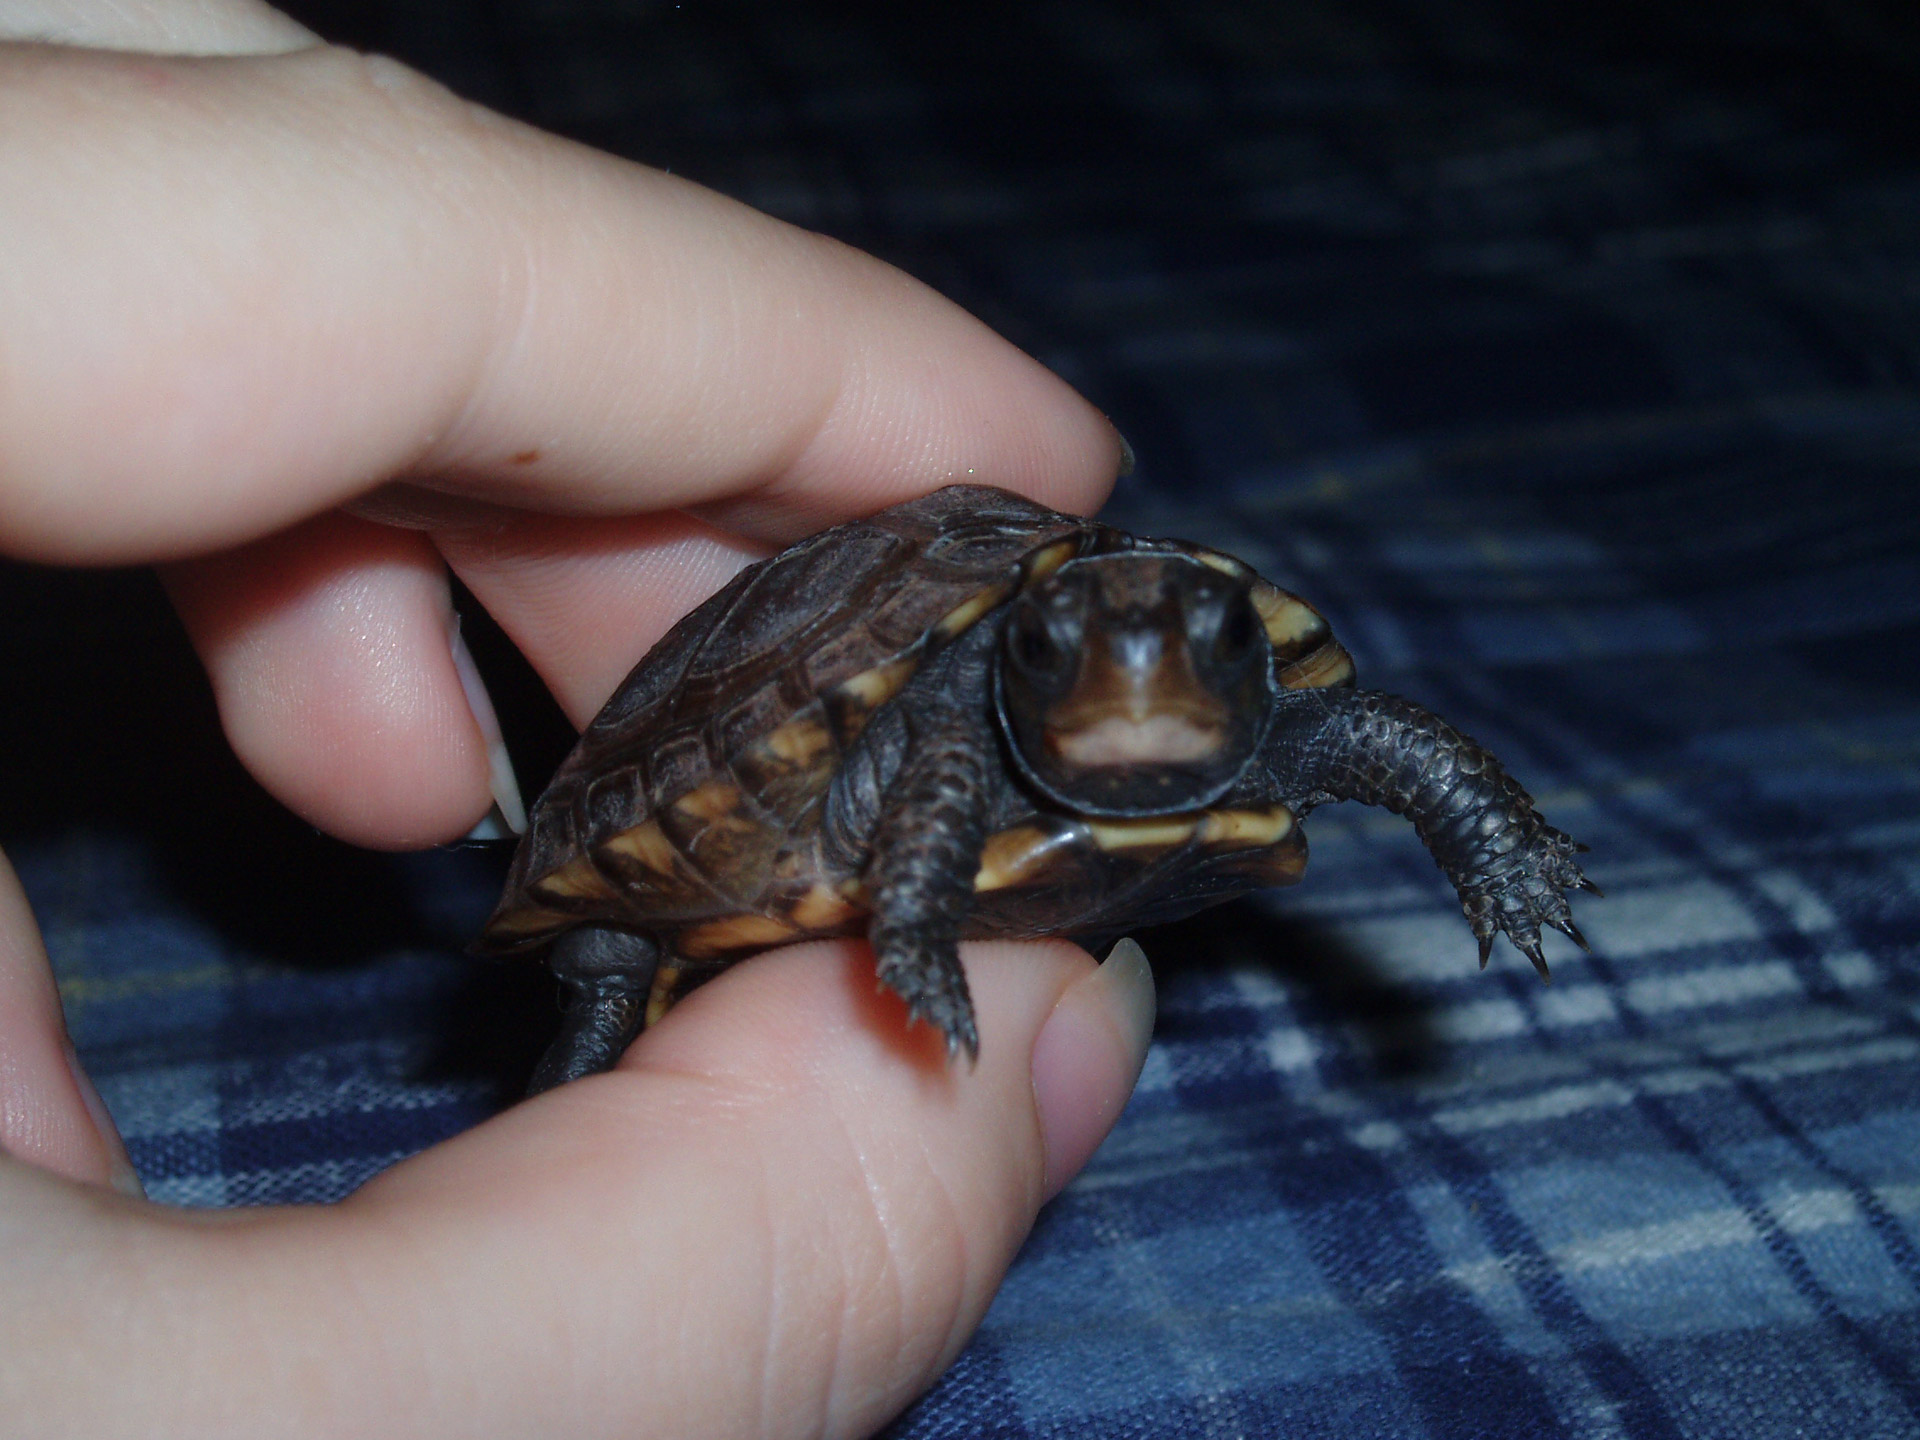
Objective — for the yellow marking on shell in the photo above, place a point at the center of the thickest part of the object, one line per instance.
(1329, 665)
(1049, 558)
(1140, 834)
(712, 801)
(1244, 829)
(1015, 856)
(646, 844)
(873, 688)
(666, 980)
(822, 907)
(799, 742)
(527, 920)
(736, 932)
(575, 880)
(962, 616)
(1225, 564)
(1288, 621)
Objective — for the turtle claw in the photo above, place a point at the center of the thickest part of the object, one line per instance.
(1531, 949)
(964, 1037)
(1564, 924)
(1527, 892)
(1583, 883)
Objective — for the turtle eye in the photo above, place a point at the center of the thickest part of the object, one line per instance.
(1033, 646)
(1238, 630)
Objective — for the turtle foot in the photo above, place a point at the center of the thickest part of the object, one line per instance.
(604, 975)
(1528, 891)
(935, 989)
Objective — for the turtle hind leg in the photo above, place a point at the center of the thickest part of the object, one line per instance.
(605, 976)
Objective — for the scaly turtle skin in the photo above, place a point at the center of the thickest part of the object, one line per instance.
(971, 716)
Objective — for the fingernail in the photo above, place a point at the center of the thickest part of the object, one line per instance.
(1126, 456)
(1087, 1058)
(120, 1172)
(508, 808)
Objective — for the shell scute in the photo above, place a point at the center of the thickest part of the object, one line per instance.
(787, 597)
(678, 763)
(720, 834)
(790, 767)
(754, 717)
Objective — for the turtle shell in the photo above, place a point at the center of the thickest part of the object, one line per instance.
(717, 750)
(691, 807)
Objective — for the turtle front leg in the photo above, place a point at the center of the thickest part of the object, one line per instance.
(925, 854)
(1511, 868)
(605, 975)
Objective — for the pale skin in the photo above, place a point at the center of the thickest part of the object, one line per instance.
(307, 331)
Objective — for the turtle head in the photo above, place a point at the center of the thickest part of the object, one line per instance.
(1135, 683)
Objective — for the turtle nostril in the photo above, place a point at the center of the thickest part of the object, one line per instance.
(1138, 651)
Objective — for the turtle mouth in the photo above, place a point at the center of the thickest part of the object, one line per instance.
(1148, 740)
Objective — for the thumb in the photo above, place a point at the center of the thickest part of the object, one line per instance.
(50, 1114)
(782, 1216)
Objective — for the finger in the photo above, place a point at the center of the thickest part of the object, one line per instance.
(780, 1217)
(342, 681)
(162, 27)
(234, 293)
(815, 1207)
(332, 649)
(50, 1114)
(585, 599)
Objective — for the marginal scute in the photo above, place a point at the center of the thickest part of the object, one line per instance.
(734, 932)
(524, 920)
(611, 802)
(645, 845)
(1275, 865)
(1225, 564)
(1021, 854)
(576, 880)
(963, 616)
(1244, 829)
(666, 985)
(1141, 834)
(1328, 666)
(823, 907)
(871, 689)
(711, 802)
(1049, 558)
(1290, 622)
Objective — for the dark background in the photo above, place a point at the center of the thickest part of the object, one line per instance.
(1566, 357)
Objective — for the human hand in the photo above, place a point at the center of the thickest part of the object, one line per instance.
(238, 294)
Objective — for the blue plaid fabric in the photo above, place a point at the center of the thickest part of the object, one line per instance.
(1569, 365)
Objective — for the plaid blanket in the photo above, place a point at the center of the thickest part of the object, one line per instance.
(1569, 367)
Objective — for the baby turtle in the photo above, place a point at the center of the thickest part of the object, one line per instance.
(972, 716)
